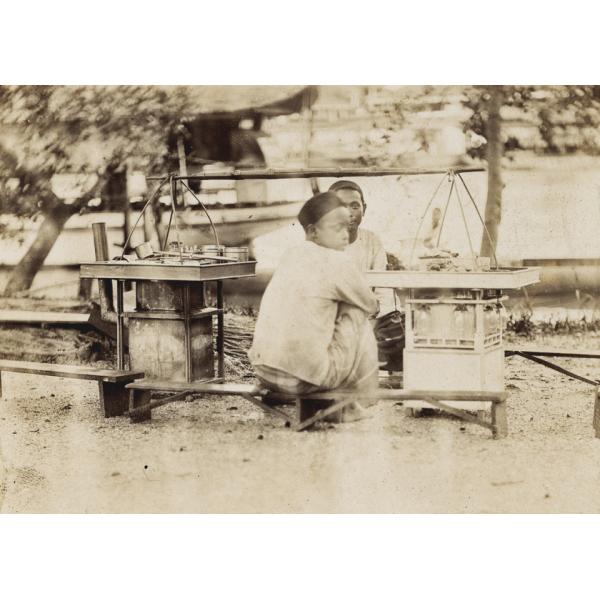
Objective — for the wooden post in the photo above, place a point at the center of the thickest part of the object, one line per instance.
(104, 285)
(187, 333)
(499, 420)
(597, 413)
(220, 332)
(113, 398)
(138, 399)
(120, 341)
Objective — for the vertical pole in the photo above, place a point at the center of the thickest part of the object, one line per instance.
(120, 345)
(597, 413)
(101, 251)
(499, 420)
(174, 216)
(494, 152)
(220, 331)
(100, 241)
(408, 322)
(181, 155)
(187, 332)
(137, 399)
(479, 329)
(126, 220)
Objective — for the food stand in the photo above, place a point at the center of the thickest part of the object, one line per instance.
(171, 339)
(171, 328)
(453, 329)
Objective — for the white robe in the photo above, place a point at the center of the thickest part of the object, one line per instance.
(313, 320)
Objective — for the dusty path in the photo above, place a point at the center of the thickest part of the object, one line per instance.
(57, 454)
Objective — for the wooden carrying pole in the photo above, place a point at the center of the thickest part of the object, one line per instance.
(236, 174)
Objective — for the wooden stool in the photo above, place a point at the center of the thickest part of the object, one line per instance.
(307, 407)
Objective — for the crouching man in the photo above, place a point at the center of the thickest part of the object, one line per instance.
(312, 332)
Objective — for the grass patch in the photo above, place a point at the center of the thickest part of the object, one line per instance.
(524, 326)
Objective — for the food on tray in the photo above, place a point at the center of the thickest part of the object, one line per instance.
(447, 265)
(438, 253)
(438, 259)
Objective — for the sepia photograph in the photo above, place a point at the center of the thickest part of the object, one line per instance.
(299, 299)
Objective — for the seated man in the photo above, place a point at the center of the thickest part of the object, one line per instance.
(367, 251)
(312, 331)
(365, 247)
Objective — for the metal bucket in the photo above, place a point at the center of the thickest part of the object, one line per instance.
(144, 250)
(240, 253)
(212, 250)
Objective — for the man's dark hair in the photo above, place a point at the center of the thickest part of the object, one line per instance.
(344, 184)
(317, 207)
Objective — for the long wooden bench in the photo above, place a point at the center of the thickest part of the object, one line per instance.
(312, 408)
(111, 382)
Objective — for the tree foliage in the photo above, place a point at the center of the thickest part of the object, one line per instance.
(566, 118)
(93, 131)
(501, 121)
(47, 130)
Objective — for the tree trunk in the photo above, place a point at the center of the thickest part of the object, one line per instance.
(493, 206)
(23, 274)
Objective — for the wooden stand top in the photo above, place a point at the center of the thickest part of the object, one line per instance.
(148, 271)
(501, 279)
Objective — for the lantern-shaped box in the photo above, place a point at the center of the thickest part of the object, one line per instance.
(454, 327)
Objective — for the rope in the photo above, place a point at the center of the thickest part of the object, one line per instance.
(462, 212)
(481, 219)
(173, 184)
(214, 229)
(423, 218)
(151, 199)
(445, 211)
(168, 230)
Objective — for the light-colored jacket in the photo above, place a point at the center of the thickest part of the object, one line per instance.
(298, 310)
(368, 254)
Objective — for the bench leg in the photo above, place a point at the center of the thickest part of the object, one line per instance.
(596, 421)
(114, 398)
(499, 421)
(138, 398)
(305, 409)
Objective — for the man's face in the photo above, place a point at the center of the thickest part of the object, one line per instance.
(353, 202)
(331, 231)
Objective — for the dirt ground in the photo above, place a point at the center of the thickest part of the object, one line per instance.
(59, 455)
